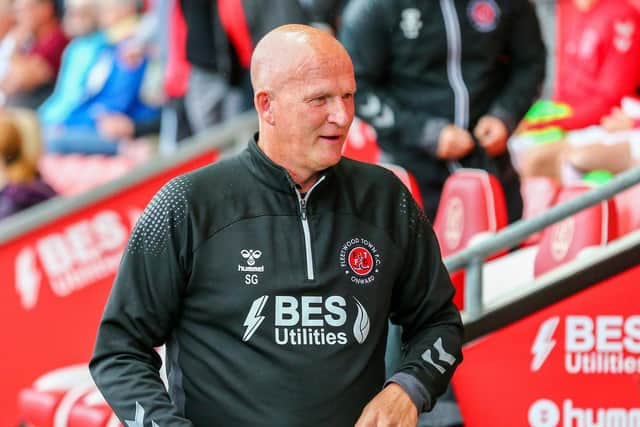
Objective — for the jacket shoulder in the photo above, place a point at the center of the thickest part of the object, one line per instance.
(366, 175)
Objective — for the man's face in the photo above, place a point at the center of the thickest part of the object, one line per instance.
(313, 111)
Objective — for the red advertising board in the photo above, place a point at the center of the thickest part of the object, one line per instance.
(55, 281)
(575, 363)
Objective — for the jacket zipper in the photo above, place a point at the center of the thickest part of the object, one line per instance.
(302, 201)
(454, 69)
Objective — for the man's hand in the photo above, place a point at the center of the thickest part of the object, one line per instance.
(492, 134)
(454, 143)
(391, 407)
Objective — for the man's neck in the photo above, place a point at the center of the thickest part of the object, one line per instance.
(304, 179)
(304, 184)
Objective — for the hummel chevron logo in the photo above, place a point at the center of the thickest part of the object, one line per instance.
(443, 356)
(254, 318)
(139, 421)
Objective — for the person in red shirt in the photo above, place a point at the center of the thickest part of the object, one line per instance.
(40, 41)
(599, 59)
(597, 65)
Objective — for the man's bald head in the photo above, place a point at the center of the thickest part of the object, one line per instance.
(289, 52)
(304, 84)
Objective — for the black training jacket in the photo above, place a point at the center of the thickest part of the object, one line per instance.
(273, 306)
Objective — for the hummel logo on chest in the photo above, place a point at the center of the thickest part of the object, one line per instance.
(250, 256)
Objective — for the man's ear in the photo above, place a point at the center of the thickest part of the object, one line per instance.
(264, 107)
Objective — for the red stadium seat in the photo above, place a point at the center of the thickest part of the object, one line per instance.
(628, 207)
(50, 400)
(92, 411)
(38, 408)
(361, 143)
(472, 204)
(563, 241)
(538, 194)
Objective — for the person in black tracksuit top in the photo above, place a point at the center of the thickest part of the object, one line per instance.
(271, 275)
(425, 65)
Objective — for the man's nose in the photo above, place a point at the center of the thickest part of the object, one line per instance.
(340, 112)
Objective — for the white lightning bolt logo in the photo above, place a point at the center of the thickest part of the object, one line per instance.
(254, 319)
(544, 343)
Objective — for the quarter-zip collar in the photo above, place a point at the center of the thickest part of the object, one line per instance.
(269, 173)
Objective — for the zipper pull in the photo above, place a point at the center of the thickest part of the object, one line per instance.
(303, 209)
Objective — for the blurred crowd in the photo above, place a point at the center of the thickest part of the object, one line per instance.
(125, 79)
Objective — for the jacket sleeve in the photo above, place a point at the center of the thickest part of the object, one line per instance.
(422, 303)
(365, 33)
(527, 58)
(141, 311)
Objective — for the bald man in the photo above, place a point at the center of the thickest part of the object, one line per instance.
(271, 276)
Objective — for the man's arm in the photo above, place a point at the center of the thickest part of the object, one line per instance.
(527, 56)
(422, 303)
(365, 33)
(432, 329)
(26, 73)
(143, 307)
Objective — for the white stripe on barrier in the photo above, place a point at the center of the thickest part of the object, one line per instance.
(63, 378)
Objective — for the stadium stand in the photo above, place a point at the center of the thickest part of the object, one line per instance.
(472, 206)
(565, 240)
(538, 194)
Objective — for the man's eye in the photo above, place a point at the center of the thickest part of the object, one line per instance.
(319, 100)
(347, 96)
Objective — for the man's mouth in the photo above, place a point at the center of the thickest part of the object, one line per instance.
(331, 137)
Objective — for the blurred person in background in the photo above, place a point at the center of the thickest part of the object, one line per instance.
(80, 23)
(39, 42)
(20, 183)
(109, 88)
(7, 40)
(218, 47)
(324, 14)
(220, 39)
(611, 147)
(7, 17)
(598, 65)
(445, 83)
(598, 60)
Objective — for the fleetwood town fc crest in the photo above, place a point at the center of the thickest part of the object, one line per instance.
(360, 260)
(484, 15)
